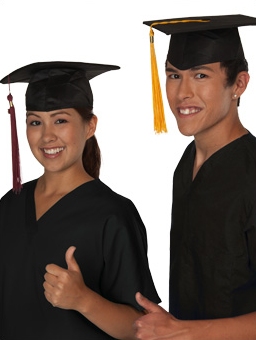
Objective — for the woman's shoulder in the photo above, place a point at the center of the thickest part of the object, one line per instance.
(111, 197)
(9, 195)
(112, 203)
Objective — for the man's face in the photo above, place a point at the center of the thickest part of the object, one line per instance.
(199, 98)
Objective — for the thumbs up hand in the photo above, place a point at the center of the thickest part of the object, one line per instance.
(157, 323)
(64, 288)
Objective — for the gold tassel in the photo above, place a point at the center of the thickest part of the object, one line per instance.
(159, 118)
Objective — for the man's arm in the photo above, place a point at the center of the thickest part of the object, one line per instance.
(159, 324)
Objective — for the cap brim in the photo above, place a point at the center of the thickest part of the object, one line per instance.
(192, 24)
(25, 73)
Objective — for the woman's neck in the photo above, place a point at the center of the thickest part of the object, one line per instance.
(61, 183)
(51, 187)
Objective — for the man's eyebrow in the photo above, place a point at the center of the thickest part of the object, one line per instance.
(201, 67)
(170, 69)
(195, 68)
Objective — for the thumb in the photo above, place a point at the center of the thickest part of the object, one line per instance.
(149, 306)
(70, 259)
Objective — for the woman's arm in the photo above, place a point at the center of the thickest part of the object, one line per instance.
(65, 288)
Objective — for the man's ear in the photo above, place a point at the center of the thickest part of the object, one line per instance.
(241, 83)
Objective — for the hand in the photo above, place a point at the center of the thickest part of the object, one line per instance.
(157, 323)
(64, 288)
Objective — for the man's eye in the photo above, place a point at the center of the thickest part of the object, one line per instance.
(200, 76)
(173, 76)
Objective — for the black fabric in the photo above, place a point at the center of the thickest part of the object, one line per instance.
(191, 49)
(36, 71)
(201, 23)
(57, 85)
(111, 250)
(203, 40)
(213, 234)
(59, 90)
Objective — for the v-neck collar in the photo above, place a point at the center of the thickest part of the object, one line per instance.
(214, 157)
(31, 220)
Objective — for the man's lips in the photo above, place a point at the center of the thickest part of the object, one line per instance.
(188, 110)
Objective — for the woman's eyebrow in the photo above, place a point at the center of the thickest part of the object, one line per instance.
(30, 113)
(59, 113)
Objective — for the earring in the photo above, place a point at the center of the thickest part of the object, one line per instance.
(234, 96)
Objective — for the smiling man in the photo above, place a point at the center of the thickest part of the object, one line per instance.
(213, 232)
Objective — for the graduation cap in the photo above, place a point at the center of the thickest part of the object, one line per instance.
(57, 84)
(195, 41)
(52, 86)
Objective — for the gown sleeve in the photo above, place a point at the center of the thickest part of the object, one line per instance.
(126, 269)
(251, 238)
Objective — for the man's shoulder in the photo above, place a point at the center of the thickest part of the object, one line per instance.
(248, 146)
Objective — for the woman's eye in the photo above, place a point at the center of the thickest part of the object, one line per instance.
(201, 75)
(34, 123)
(61, 121)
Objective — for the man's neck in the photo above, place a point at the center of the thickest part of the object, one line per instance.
(206, 147)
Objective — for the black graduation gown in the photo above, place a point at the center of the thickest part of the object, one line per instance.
(213, 234)
(111, 250)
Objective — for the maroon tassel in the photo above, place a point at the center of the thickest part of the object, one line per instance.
(15, 149)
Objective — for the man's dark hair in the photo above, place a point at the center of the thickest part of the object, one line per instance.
(233, 67)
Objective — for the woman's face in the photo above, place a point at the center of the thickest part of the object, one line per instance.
(57, 138)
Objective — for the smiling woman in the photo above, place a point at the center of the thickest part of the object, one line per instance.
(68, 209)
(59, 135)
(57, 140)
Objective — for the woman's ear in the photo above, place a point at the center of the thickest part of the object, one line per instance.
(241, 83)
(91, 127)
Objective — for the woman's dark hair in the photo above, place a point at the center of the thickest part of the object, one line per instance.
(232, 68)
(91, 154)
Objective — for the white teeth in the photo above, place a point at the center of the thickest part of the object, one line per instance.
(188, 111)
(185, 111)
(53, 151)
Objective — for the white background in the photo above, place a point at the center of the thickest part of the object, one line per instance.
(136, 162)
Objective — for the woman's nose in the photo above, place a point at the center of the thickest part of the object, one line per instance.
(48, 134)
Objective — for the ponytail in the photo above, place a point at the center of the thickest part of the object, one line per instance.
(92, 157)
(91, 154)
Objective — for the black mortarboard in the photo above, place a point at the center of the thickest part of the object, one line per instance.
(58, 84)
(200, 40)
(52, 86)
(203, 40)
